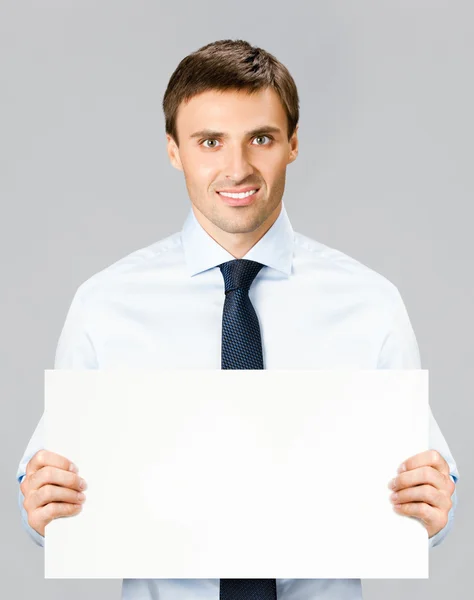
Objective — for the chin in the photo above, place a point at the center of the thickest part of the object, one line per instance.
(244, 224)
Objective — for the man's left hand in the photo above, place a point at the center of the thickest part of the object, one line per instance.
(423, 489)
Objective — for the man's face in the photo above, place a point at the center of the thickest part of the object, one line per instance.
(226, 144)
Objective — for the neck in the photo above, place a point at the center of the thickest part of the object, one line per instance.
(237, 244)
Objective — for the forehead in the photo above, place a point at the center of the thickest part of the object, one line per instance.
(231, 110)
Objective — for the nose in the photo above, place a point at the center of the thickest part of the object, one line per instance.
(237, 166)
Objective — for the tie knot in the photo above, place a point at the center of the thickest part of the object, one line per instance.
(239, 273)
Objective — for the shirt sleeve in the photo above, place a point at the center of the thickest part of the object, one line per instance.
(74, 350)
(400, 351)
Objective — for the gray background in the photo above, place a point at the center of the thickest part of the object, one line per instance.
(384, 174)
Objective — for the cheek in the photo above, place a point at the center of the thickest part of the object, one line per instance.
(198, 170)
(273, 170)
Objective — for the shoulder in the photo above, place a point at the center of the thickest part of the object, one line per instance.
(339, 270)
(151, 257)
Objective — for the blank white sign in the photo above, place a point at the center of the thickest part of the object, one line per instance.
(236, 473)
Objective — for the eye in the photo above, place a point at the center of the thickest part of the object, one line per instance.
(259, 137)
(208, 141)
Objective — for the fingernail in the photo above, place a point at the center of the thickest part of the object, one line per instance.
(402, 468)
(73, 468)
(82, 484)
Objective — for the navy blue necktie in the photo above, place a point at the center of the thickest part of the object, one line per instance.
(242, 349)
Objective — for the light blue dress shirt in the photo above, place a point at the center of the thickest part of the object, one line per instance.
(161, 307)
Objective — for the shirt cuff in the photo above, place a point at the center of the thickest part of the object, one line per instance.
(35, 536)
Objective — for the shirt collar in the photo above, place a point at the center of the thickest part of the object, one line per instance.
(202, 252)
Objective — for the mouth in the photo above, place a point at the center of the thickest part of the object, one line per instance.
(242, 199)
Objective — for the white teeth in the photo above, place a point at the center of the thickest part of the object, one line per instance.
(243, 195)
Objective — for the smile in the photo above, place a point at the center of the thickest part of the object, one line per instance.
(242, 195)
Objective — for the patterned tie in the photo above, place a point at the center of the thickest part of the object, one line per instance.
(242, 349)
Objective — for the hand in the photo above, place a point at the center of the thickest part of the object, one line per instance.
(424, 489)
(51, 489)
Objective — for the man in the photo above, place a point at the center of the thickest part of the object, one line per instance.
(237, 288)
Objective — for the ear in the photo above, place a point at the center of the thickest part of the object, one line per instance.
(293, 146)
(173, 153)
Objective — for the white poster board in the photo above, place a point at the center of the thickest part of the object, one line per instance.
(236, 473)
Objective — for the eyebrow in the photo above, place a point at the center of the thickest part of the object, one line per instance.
(209, 133)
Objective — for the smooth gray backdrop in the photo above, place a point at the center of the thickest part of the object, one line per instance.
(384, 174)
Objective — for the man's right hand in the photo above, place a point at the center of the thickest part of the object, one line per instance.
(51, 489)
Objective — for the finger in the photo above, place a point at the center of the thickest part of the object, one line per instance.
(429, 458)
(44, 458)
(53, 510)
(53, 493)
(419, 476)
(422, 493)
(55, 476)
(426, 513)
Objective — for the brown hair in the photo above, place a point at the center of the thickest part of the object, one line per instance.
(229, 65)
